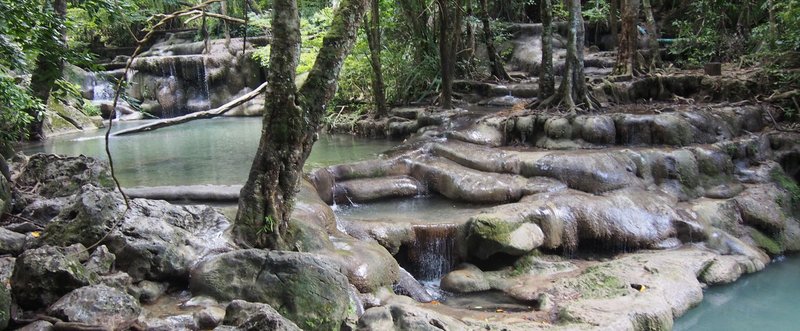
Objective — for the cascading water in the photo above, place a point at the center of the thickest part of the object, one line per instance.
(102, 88)
(433, 253)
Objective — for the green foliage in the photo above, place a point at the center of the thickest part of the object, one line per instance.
(596, 11)
(268, 226)
(15, 101)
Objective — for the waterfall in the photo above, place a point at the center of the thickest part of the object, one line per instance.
(202, 76)
(102, 88)
(433, 253)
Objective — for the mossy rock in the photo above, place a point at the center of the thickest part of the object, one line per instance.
(490, 234)
(306, 288)
(597, 282)
(770, 245)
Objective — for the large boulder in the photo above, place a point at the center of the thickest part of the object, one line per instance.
(402, 317)
(588, 172)
(368, 265)
(43, 275)
(50, 176)
(11, 242)
(154, 240)
(248, 316)
(306, 288)
(97, 305)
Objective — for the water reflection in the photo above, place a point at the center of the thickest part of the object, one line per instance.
(216, 151)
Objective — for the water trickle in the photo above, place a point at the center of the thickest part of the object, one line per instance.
(433, 253)
(204, 81)
(102, 89)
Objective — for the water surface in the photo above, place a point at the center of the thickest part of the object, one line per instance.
(766, 300)
(214, 151)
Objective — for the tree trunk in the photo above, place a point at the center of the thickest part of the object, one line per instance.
(373, 27)
(49, 65)
(226, 28)
(494, 59)
(773, 23)
(613, 22)
(446, 55)
(652, 38)
(627, 45)
(416, 19)
(291, 122)
(547, 82)
(572, 93)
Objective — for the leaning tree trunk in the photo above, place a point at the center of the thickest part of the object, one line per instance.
(573, 93)
(652, 38)
(291, 122)
(547, 82)
(494, 59)
(627, 46)
(373, 27)
(49, 66)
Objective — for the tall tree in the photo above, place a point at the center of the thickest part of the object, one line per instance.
(494, 59)
(627, 46)
(449, 34)
(573, 94)
(373, 27)
(547, 83)
(49, 62)
(291, 121)
(613, 21)
(652, 36)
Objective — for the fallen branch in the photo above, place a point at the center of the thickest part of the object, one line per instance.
(195, 116)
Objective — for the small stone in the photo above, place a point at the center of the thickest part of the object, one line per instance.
(97, 305)
(11, 242)
(101, 261)
(150, 291)
(209, 317)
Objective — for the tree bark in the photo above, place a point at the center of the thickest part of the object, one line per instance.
(373, 27)
(652, 38)
(573, 93)
(627, 45)
(613, 22)
(547, 82)
(49, 65)
(291, 122)
(494, 59)
(449, 33)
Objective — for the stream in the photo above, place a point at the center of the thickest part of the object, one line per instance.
(220, 151)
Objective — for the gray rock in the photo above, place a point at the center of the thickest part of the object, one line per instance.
(5, 194)
(6, 269)
(182, 322)
(362, 190)
(308, 289)
(101, 261)
(210, 317)
(155, 240)
(457, 182)
(367, 265)
(119, 280)
(408, 285)
(97, 305)
(247, 316)
(43, 275)
(50, 176)
(588, 172)
(490, 234)
(37, 326)
(11, 242)
(400, 317)
(150, 291)
(468, 278)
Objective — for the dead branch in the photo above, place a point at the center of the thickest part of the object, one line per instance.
(195, 116)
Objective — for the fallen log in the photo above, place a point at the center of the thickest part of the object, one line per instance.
(197, 193)
(194, 116)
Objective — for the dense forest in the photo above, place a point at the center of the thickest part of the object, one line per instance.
(582, 163)
(400, 46)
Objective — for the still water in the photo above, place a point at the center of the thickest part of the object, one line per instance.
(766, 300)
(214, 151)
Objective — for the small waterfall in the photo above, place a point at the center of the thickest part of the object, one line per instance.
(102, 88)
(202, 77)
(433, 254)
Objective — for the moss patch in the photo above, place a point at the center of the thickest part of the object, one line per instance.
(765, 242)
(788, 184)
(597, 282)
